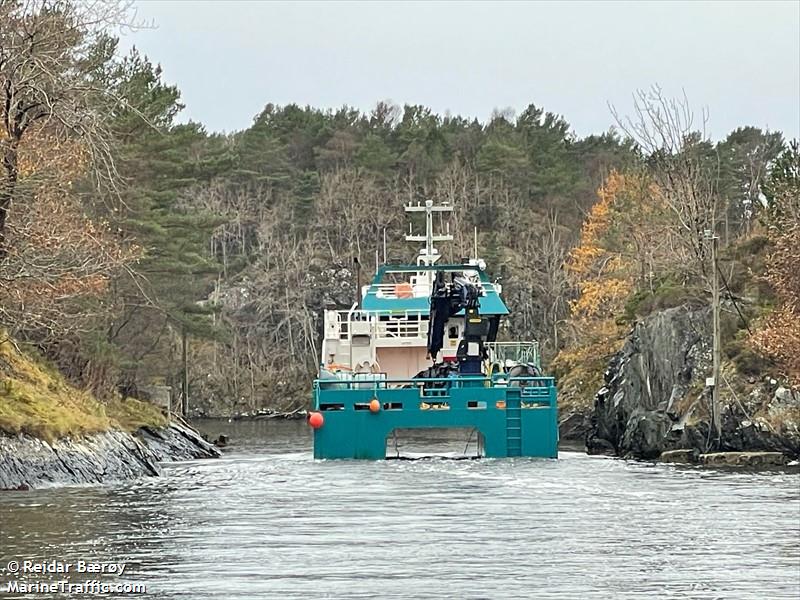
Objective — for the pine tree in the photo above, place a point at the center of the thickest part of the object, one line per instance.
(165, 296)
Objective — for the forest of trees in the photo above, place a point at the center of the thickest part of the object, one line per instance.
(132, 244)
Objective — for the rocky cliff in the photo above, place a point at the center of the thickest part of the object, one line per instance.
(654, 398)
(27, 462)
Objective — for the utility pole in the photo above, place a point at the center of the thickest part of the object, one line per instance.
(185, 382)
(716, 417)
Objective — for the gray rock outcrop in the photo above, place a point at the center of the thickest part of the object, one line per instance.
(27, 462)
(654, 399)
(643, 400)
(176, 442)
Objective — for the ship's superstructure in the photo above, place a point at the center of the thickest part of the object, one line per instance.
(420, 350)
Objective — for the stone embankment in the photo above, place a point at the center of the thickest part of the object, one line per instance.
(27, 462)
(691, 456)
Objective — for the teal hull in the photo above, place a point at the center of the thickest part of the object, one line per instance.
(513, 421)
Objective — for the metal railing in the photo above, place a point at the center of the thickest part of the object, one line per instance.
(378, 381)
(401, 329)
(379, 325)
(349, 394)
(394, 291)
(518, 352)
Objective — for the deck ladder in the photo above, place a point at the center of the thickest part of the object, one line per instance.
(513, 425)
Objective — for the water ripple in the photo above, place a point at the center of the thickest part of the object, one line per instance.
(266, 521)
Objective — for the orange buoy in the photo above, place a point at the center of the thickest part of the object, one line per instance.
(374, 405)
(316, 420)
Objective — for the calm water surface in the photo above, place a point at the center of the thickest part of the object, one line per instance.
(266, 521)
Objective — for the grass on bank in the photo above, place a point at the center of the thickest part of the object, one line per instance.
(35, 399)
(130, 414)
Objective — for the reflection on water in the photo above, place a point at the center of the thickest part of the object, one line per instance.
(266, 521)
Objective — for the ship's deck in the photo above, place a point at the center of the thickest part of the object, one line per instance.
(515, 416)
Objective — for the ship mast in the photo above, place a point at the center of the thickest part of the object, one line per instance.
(428, 255)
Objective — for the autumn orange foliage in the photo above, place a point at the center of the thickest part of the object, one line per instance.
(626, 241)
(58, 257)
(779, 338)
(601, 273)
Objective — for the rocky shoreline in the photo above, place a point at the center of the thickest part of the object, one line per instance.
(654, 402)
(262, 414)
(27, 462)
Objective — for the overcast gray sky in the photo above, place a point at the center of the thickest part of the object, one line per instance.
(741, 60)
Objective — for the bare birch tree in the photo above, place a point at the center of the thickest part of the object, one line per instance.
(51, 56)
(685, 178)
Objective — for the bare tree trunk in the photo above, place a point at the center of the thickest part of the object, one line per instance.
(8, 187)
